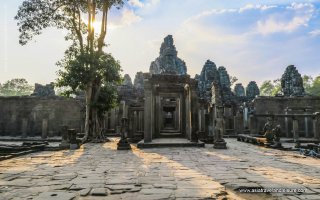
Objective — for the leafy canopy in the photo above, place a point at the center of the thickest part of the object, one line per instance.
(16, 87)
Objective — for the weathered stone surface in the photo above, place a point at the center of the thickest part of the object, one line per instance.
(291, 82)
(209, 73)
(239, 90)
(168, 62)
(56, 110)
(99, 192)
(84, 192)
(55, 195)
(43, 90)
(170, 173)
(252, 90)
(127, 80)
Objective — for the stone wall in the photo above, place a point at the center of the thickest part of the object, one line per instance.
(278, 105)
(39, 116)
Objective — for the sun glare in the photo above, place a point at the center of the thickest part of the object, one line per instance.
(97, 26)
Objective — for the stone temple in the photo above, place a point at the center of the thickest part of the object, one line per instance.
(167, 103)
(165, 107)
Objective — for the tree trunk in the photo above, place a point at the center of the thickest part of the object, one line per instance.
(88, 110)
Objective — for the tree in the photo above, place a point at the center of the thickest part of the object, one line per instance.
(16, 87)
(307, 82)
(84, 59)
(315, 87)
(270, 88)
(233, 79)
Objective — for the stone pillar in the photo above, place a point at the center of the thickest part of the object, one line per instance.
(131, 128)
(206, 126)
(238, 124)
(219, 142)
(286, 124)
(156, 116)
(73, 139)
(44, 128)
(245, 117)
(316, 127)
(147, 111)
(135, 123)
(64, 137)
(252, 125)
(194, 113)
(188, 112)
(24, 127)
(295, 130)
(306, 127)
(199, 119)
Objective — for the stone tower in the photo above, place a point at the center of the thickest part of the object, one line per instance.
(252, 90)
(292, 82)
(168, 62)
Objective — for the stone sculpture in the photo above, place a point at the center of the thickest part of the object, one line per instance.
(291, 82)
(127, 80)
(252, 90)
(208, 74)
(267, 130)
(168, 62)
(239, 90)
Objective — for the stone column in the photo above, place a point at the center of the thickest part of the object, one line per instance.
(24, 127)
(252, 125)
(188, 112)
(245, 117)
(156, 116)
(238, 124)
(73, 139)
(316, 127)
(295, 130)
(194, 113)
(306, 123)
(135, 123)
(64, 137)
(132, 120)
(206, 126)
(286, 124)
(44, 128)
(147, 111)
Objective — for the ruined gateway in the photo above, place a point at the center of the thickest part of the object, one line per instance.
(166, 102)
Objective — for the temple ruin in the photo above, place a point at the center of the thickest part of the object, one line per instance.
(167, 103)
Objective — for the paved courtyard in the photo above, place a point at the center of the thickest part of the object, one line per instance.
(99, 171)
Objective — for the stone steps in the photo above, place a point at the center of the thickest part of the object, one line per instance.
(169, 142)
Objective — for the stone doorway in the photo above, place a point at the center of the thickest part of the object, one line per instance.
(170, 122)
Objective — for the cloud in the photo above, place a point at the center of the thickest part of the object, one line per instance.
(256, 7)
(315, 33)
(292, 18)
(136, 3)
(127, 18)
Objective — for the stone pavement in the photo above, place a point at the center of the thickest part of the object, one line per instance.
(99, 171)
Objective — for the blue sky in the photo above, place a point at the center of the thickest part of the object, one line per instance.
(254, 40)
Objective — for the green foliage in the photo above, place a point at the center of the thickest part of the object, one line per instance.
(16, 87)
(76, 74)
(315, 87)
(36, 15)
(233, 79)
(85, 66)
(310, 84)
(307, 82)
(270, 88)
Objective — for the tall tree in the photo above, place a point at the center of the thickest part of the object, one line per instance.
(315, 87)
(270, 88)
(16, 87)
(85, 57)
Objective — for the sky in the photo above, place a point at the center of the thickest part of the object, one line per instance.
(254, 40)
